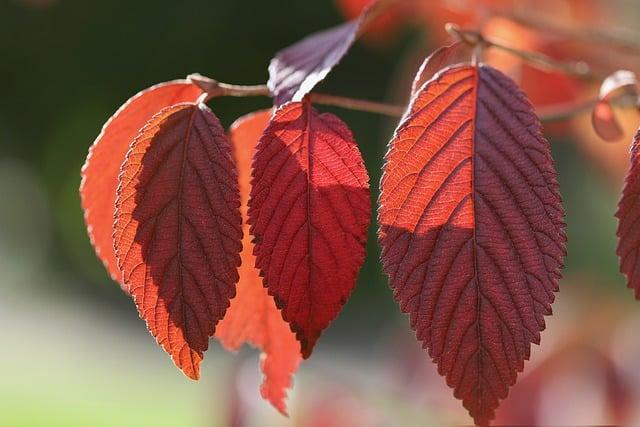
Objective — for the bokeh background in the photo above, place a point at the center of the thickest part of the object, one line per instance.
(73, 351)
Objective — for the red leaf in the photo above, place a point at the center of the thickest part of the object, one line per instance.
(439, 59)
(628, 215)
(382, 27)
(295, 70)
(177, 229)
(603, 117)
(253, 316)
(100, 171)
(309, 213)
(472, 229)
(605, 123)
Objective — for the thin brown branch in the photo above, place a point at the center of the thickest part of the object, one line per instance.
(214, 88)
(358, 104)
(375, 10)
(623, 40)
(578, 69)
(565, 111)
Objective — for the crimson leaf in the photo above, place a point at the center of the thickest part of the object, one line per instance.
(472, 229)
(309, 213)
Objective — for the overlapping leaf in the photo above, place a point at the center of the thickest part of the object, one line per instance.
(100, 171)
(253, 316)
(472, 229)
(309, 212)
(628, 215)
(178, 229)
(295, 70)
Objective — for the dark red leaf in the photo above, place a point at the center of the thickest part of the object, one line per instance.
(309, 212)
(628, 215)
(253, 316)
(100, 171)
(295, 70)
(177, 231)
(472, 229)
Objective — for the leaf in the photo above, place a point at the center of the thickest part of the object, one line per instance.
(472, 229)
(177, 231)
(100, 171)
(620, 81)
(295, 70)
(628, 215)
(309, 213)
(603, 118)
(605, 123)
(253, 316)
(439, 58)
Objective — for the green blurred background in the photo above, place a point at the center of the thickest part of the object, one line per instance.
(73, 351)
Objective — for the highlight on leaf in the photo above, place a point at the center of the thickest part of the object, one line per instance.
(177, 231)
(101, 169)
(309, 212)
(472, 229)
(253, 316)
(628, 215)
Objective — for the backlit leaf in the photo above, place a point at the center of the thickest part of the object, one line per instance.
(101, 169)
(628, 215)
(177, 231)
(253, 316)
(472, 229)
(296, 69)
(309, 212)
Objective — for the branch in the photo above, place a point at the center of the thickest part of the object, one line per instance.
(626, 41)
(578, 69)
(214, 88)
(565, 111)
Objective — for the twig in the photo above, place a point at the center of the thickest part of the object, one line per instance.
(625, 42)
(358, 104)
(578, 69)
(213, 88)
(560, 112)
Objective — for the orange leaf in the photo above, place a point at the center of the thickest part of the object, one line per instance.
(177, 231)
(253, 316)
(100, 171)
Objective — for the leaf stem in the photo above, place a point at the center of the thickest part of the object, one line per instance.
(214, 88)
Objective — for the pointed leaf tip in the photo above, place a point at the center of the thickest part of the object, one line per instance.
(309, 213)
(177, 231)
(472, 229)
